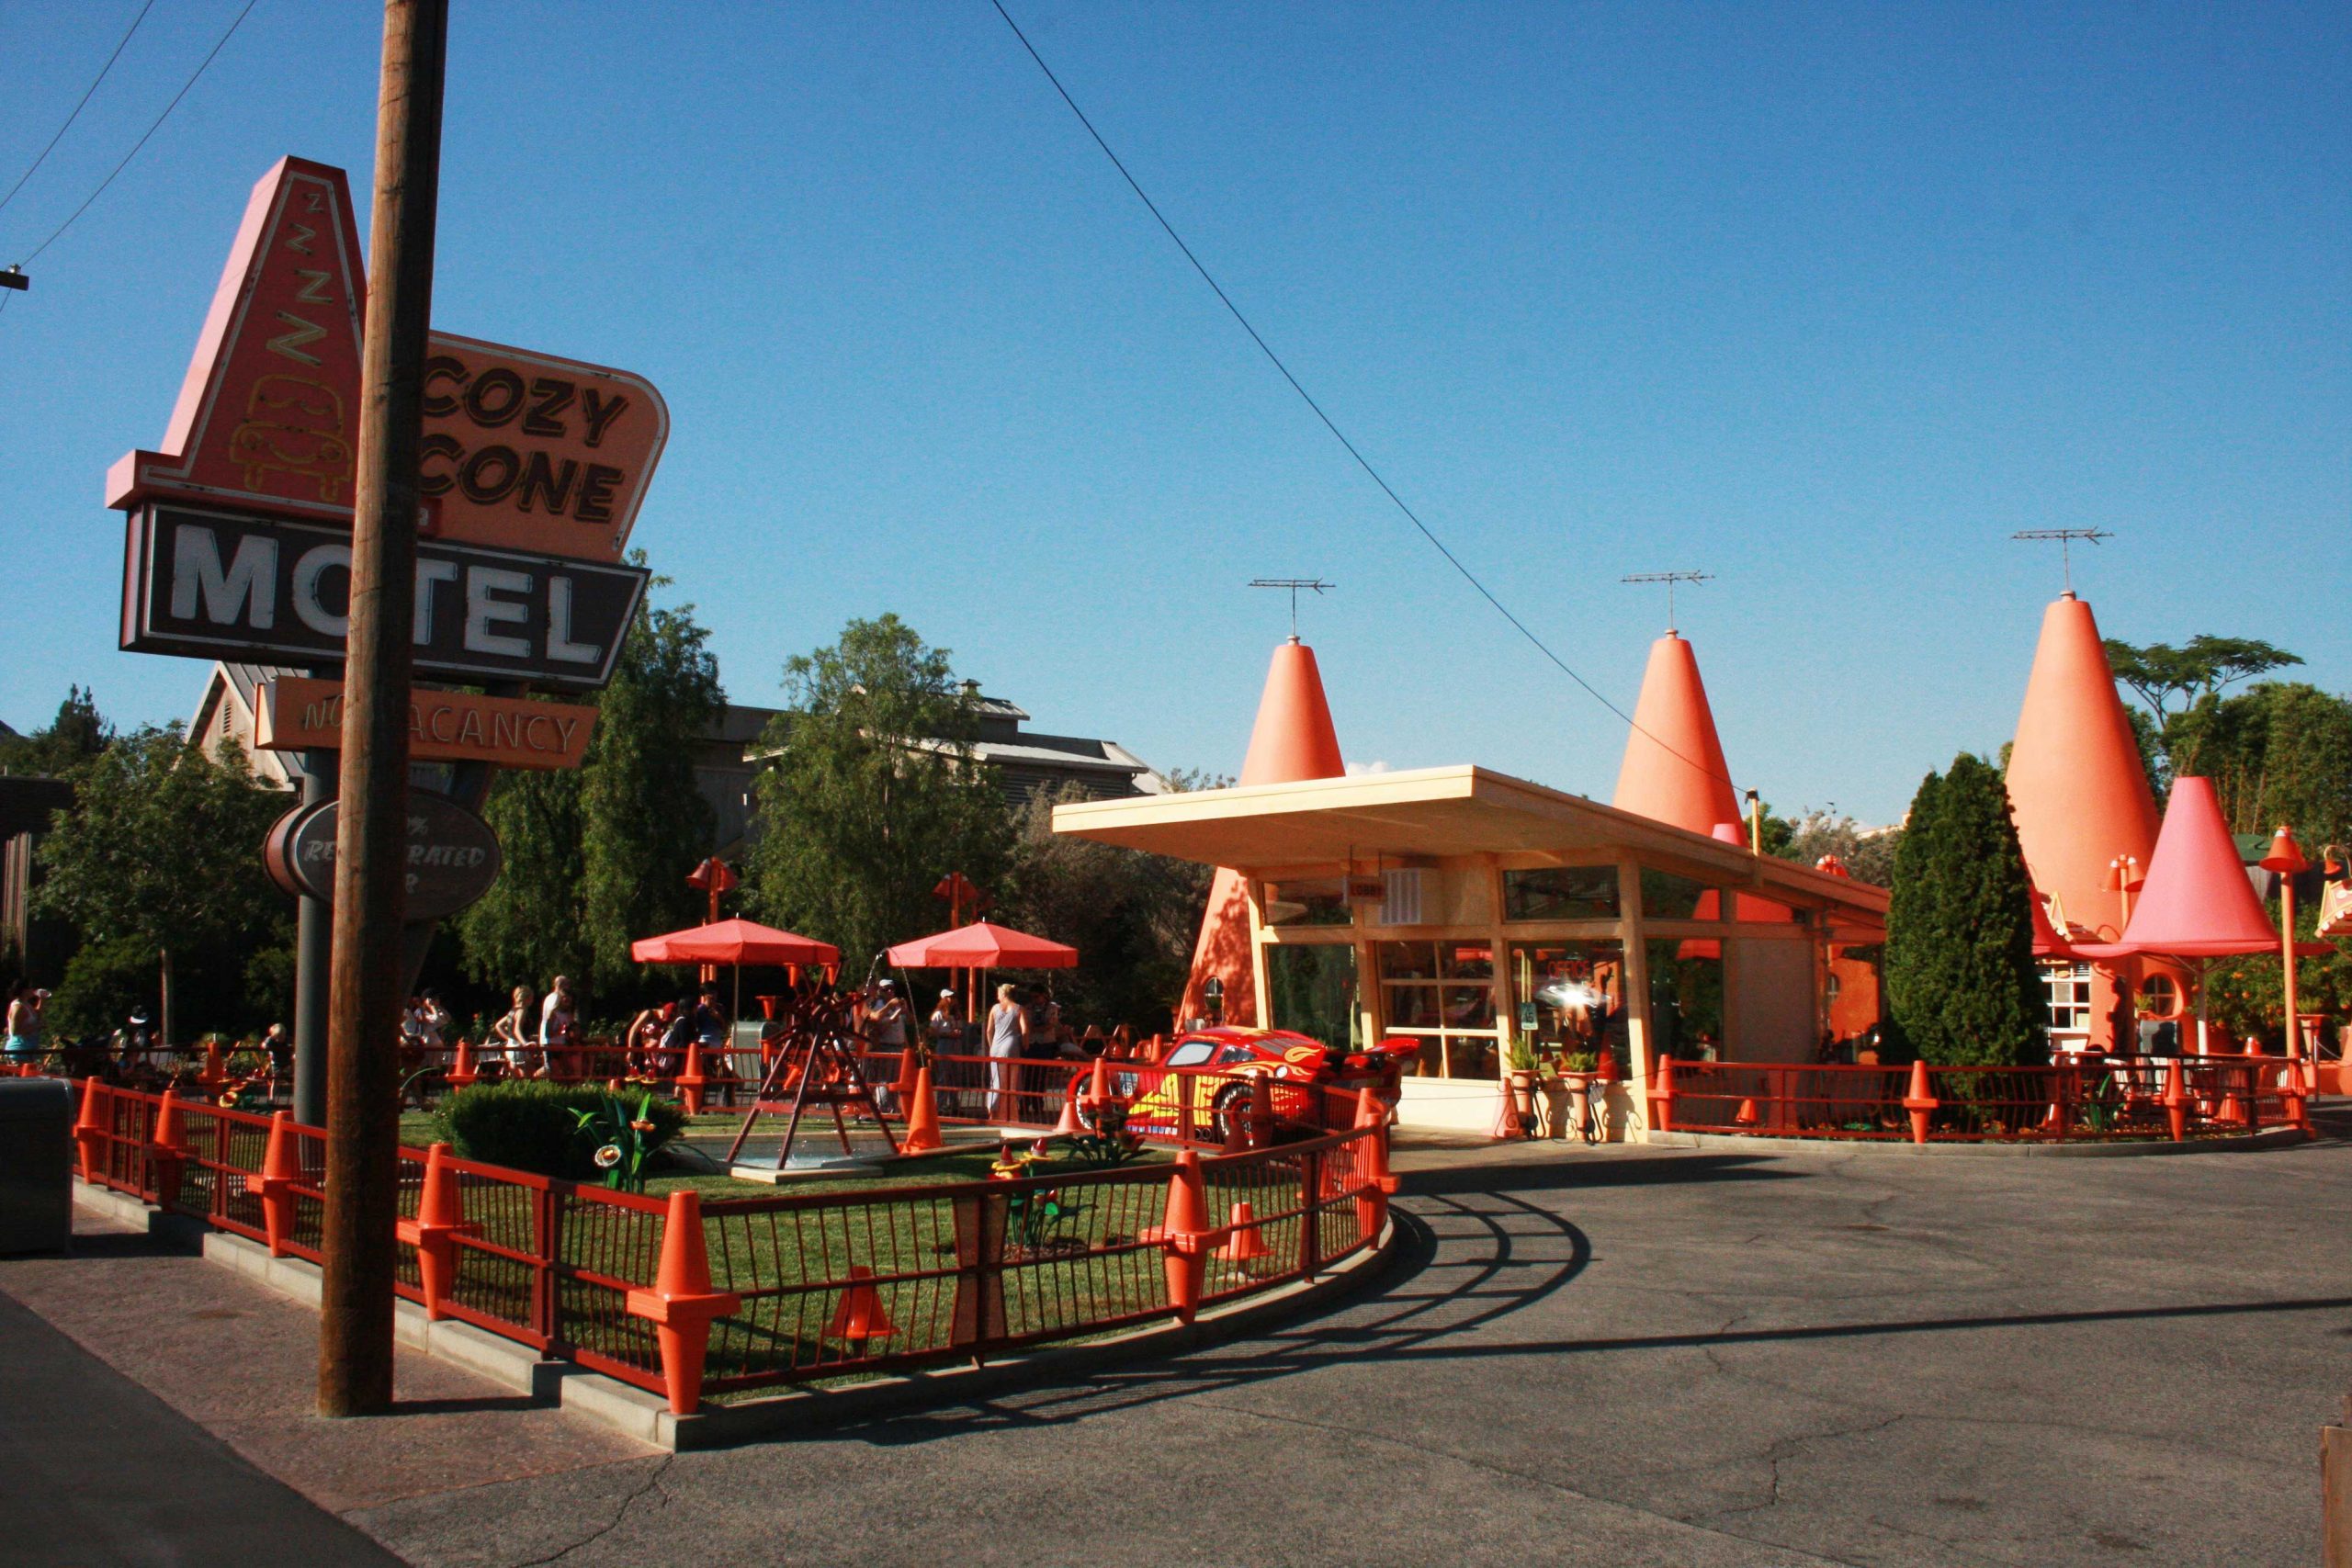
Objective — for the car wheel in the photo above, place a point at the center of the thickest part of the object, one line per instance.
(1229, 1110)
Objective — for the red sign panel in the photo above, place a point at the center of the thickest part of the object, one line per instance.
(523, 451)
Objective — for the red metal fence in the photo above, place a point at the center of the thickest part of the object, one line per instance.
(685, 1297)
(2142, 1097)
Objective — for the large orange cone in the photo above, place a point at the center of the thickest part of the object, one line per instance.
(681, 1303)
(923, 1117)
(861, 1315)
(1184, 1236)
(1247, 1246)
(168, 1152)
(1673, 769)
(1920, 1102)
(90, 1130)
(440, 1218)
(275, 1185)
(690, 1082)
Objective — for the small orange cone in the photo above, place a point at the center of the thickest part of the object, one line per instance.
(1921, 1102)
(1746, 1116)
(90, 1132)
(1184, 1236)
(902, 1084)
(1662, 1097)
(216, 1069)
(690, 1081)
(861, 1315)
(1098, 1083)
(1262, 1111)
(169, 1150)
(922, 1118)
(1247, 1246)
(1069, 1126)
(462, 1073)
(2176, 1102)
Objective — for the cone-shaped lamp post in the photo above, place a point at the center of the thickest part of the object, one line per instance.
(2286, 858)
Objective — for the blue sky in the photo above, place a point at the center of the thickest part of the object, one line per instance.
(1826, 300)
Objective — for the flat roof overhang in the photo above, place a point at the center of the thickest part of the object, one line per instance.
(1262, 830)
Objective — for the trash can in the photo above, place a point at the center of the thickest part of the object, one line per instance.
(36, 1165)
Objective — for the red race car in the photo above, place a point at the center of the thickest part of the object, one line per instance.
(1224, 1061)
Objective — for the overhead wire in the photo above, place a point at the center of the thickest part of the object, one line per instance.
(193, 76)
(82, 103)
(1328, 424)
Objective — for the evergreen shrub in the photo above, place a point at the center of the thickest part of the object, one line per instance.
(526, 1124)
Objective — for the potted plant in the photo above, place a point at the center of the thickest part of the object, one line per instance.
(1520, 1057)
(1577, 1069)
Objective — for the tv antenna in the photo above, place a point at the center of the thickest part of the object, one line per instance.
(1313, 584)
(1669, 579)
(2066, 537)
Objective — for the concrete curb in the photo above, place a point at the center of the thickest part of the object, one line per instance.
(1904, 1148)
(635, 1413)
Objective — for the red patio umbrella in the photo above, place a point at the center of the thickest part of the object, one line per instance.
(984, 945)
(736, 942)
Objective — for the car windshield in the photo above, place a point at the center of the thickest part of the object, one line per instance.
(1190, 1053)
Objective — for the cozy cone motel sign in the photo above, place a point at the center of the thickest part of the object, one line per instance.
(237, 534)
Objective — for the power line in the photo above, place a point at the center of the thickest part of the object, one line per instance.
(193, 76)
(78, 106)
(1308, 398)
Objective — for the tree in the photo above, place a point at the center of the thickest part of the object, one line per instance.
(2160, 672)
(160, 858)
(1132, 915)
(1867, 853)
(875, 793)
(1961, 986)
(597, 857)
(2278, 753)
(78, 733)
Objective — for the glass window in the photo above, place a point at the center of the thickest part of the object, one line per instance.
(1666, 896)
(1313, 988)
(1569, 993)
(1686, 999)
(2159, 997)
(1561, 893)
(1190, 1053)
(1444, 993)
(2069, 988)
(1465, 960)
(1322, 901)
(1408, 961)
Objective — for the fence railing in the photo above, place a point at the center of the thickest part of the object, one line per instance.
(2125, 1098)
(685, 1297)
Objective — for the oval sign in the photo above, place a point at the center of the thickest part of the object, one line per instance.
(453, 856)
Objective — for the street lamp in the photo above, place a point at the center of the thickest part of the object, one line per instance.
(2286, 858)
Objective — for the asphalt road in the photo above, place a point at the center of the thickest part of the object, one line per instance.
(1687, 1358)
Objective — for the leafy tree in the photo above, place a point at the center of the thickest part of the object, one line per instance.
(1132, 915)
(1961, 987)
(2160, 674)
(1867, 853)
(160, 857)
(874, 795)
(2278, 753)
(598, 856)
(78, 733)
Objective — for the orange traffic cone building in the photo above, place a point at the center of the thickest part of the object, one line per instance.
(1293, 741)
(861, 1315)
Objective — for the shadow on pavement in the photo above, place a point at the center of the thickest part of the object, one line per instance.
(1570, 1172)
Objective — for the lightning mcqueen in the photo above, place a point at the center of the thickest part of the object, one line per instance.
(1207, 1073)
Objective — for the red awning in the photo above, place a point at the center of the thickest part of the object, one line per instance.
(733, 942)
(984, 945)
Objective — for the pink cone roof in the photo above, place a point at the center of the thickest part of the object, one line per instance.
(1292, 742)
(2197, 902)
(2078, 791)
(1674, 770)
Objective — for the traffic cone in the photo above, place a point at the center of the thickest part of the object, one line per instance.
(216, 1069)
(463, 1074)
(1184, 1236)
(440, 1217)
(1746, 1115)
(2177, 1101)
(1372, 1165)
(1247, 1246)
(1069, 1126)
(923, 1117)
(1098, 1083)
(90, 1132)
(1662, 1096)
(681, 1303)
(1921, 1102)
(689, 1082)
(861, 1315)
(275, 1185)
(1262, 1111)
(168, 1151)
(902, 1083)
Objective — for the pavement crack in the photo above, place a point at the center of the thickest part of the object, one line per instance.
(652, 1483)
(1786, 1449)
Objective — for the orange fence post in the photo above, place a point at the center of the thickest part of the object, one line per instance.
(275, 1185)
(691, 1080)
(168, 1152)
(440, 1219)
(1921, 1102)
(463, 1074)
(1098, 1083)
(1262, 1112)
(681, 1303)
(1184, 1237)
(2176, 1100)
(1372, 1165)
(90, 1132)
(216, 1069)
(923, 1117)
(1662, 1096)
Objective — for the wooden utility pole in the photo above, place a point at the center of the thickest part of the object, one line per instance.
(364, 1005)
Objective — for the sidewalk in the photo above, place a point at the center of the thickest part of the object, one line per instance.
(148, 1397)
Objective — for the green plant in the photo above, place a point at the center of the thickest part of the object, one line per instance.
(528, 1124)
(623, 1140)
(1519, 1057)
(1581, 1063)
